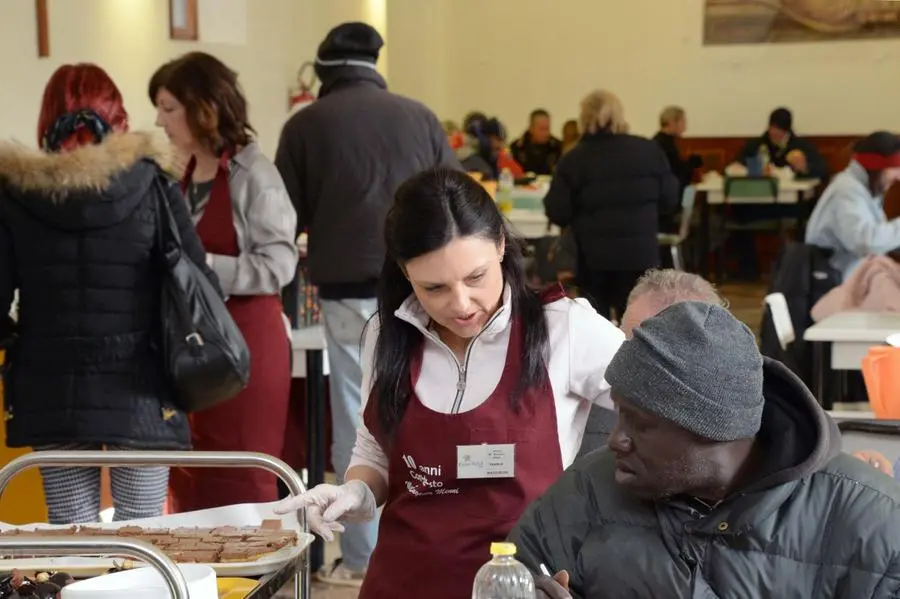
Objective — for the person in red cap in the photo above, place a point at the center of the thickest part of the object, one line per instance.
(849, 218)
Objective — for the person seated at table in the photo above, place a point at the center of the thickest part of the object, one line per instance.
(571, 135)
(537, 150)
(476, 153)
(849, 218)
(785, 148)
(496, 134)
(610, 189)
(655, 291)
(723, 478)
(672, 125)
(463, 357)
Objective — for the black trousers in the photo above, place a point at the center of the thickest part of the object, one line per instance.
(608, 290)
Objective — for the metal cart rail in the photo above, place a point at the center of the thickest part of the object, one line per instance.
(28, 546)
(297, 569)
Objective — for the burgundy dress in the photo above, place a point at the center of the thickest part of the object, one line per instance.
(255, 419)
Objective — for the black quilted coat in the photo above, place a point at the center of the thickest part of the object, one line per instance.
(77, 239)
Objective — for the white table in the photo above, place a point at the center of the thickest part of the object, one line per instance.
(851, 334)
(308, 339)
(789, 191)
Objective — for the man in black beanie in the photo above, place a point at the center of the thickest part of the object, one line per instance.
(342, 158)
(784, 148)
(723, 478)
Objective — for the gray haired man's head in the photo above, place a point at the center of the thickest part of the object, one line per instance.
(658, 289)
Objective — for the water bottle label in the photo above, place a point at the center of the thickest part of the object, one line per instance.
(486, 461)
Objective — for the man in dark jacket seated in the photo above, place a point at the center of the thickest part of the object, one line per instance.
(723, 479)
(785, 148)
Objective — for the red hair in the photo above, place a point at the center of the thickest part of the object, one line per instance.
(75, 87)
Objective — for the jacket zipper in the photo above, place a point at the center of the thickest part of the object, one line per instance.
(462, 369)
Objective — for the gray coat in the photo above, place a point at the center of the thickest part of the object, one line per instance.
(821, 525)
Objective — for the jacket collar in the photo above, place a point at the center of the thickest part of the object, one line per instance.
(336, 78)
(411, 311)
(91, 167)
(798, 436)
(248, 155)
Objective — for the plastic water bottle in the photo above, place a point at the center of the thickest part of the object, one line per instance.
(505, 185)
(503, 577)
(764, 159)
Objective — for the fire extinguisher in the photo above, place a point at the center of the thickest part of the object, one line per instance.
(300, 95)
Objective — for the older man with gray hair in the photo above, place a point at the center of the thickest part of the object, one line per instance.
(655, 291)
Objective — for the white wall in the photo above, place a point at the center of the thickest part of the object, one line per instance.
(129, 38)
(507, 57)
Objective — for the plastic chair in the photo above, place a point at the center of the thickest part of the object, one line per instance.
(781, 318)
(746, 191)
(675, 241)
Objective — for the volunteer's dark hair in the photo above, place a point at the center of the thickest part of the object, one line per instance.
(431, 209)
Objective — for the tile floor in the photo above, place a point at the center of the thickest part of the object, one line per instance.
(745, 301)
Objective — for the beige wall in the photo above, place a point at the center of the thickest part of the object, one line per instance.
(129, 38)
(509, 56)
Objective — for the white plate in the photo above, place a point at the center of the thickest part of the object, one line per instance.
(144, 584)
(250, 514)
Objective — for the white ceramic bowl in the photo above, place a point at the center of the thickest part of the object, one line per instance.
(144, 583)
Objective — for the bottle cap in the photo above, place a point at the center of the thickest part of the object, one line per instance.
(506, 549)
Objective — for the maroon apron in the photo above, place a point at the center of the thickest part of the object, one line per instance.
(254, 420)
(436, 530)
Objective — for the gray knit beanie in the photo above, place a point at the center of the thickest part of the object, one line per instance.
(697, 366)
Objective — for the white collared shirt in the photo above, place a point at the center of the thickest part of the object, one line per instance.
(581, 345)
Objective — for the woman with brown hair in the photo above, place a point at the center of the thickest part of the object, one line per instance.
(247, 224)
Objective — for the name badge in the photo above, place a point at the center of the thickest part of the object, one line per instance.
(486, 461)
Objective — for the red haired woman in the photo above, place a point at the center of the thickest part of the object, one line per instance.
(248, 226)
(77, 240)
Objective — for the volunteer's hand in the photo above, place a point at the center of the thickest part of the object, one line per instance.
(552, 588)
(327, 505)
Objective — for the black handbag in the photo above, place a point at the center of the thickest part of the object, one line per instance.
(205, 354)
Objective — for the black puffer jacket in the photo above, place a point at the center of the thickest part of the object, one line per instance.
(611, 189)
(77, 239)
(821, 525)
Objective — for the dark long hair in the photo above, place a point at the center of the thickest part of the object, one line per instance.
(431, 209)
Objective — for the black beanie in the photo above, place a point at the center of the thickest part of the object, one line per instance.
(350, 42)
(782, 118)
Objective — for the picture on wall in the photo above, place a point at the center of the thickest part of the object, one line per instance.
(774, 21)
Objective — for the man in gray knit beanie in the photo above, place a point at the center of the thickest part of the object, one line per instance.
(723, 477)
(694, 365)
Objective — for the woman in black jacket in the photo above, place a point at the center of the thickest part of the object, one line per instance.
(610, 189)
(83, 367)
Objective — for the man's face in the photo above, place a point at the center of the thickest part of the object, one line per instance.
(540, 129)
(656, 459)
(680, 126)
(777, 135)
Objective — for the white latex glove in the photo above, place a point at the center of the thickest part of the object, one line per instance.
(327, 505)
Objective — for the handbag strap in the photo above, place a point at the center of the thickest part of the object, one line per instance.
(168, 239)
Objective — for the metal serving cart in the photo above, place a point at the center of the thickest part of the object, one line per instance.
(297, 569)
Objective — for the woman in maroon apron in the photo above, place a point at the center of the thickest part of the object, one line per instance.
(247, 225)
(479, 392)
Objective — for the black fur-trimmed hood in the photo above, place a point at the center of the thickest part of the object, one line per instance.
(90, 186)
